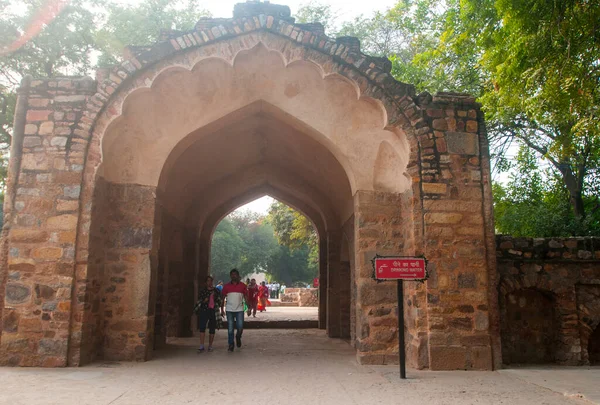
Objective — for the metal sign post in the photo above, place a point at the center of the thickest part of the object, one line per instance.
(401, 349)
(400, 268)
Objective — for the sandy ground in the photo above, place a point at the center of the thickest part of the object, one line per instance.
(284, 367)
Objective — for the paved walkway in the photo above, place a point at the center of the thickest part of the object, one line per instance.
(287, 314)
(285, 366)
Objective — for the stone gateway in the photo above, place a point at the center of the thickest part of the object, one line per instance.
(116, 185)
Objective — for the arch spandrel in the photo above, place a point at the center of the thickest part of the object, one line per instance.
(349, 123)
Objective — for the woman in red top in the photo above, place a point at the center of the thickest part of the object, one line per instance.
(252, 297)
(263, 294)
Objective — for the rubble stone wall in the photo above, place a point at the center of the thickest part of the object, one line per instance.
(549, 295)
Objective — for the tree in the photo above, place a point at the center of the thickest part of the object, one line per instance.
(316, 12)
(546, 90)
(534, 203)
(243, 240)
(54, 38)
(294, 230)
(141, 25)
(226, 250)
(291, 265)
(297, 234)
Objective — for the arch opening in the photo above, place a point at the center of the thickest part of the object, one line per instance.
(529, 328)
(222, 169)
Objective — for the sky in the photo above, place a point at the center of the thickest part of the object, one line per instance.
(345, 9)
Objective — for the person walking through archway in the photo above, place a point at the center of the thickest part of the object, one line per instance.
(234, 293)
(252, 298)
(263, 296)
(209, 301)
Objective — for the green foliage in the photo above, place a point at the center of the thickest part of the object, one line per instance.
(535, 203)
(62, 47)
(226, 250)
(532, 64)
(290, 266)
(81, 36)
(294, 231)
(248, 241)
(315, 11)
(142, 24)
(242, 240)
(544, 82)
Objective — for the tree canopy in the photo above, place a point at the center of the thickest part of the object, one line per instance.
(251, 243)
(535, 67)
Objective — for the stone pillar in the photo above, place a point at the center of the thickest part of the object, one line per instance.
(322, 282)
(455, 236)
(130, 273)
(345, 280)
(188, 297)
(40, 266)
(334, 282)
(380, 227)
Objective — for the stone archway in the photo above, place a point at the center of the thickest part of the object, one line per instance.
(408, 175)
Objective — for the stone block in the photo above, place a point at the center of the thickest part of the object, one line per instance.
(72, 191)
(62, 222)
(10, 321)
(447, 358)
(434, 188)
(59, 141)
(472, 126)
(440, 124)
(462, 143)
(481, 358)
(52, 347)
(46, 128)
(44, 291)
(38, 115)
(47, 253)
(34, 161)
(463, 323)
(67, 205)
(370, 359)
(467, 280)
(443, 218)
(17, 293)
(31, 141)
(26, 235)
(30, 325)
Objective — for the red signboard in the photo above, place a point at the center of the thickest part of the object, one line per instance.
(400, 268)
(316, 282)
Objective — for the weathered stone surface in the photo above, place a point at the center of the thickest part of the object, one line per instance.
(541, 282)
(62, 222)
(435, 188)
(448, 358)
(28, 235)
(17, 293)
(462, 143)
(92, 211)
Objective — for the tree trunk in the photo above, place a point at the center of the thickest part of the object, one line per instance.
(574, 187)
(577, 204)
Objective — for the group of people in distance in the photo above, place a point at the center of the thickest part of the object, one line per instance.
(229, 300)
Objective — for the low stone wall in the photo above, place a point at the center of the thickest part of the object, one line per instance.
(303, 297)
(549, 296)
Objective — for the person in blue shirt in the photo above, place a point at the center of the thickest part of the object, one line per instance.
(219, 286)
